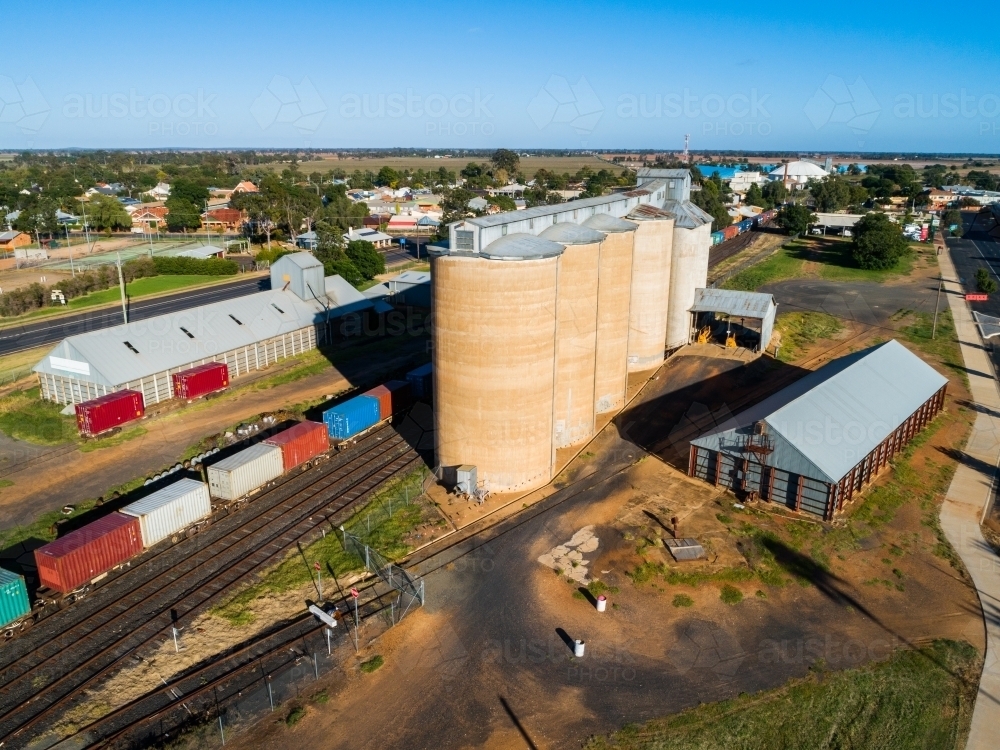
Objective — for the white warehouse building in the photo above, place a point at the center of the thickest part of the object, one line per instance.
(247, 333)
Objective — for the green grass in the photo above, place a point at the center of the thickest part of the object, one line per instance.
(833, 256)
(682, 600)
(800, 329)
(295, 716)
(25, 416)
(296, 570)
(945, 343)
(372, 664)
(915, 699)
(730, 594)
(782, 265)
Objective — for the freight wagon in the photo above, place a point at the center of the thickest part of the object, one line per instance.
(421, 381)
(245, 472)
(15, 609)
(105, 413)
(301, 443)
(201, 380)
(179, 508)
(70, 565)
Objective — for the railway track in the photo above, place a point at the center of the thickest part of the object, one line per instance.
(143, 721)
(41, 681)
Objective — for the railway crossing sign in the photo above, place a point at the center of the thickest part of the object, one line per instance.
(354, 593)
(323, 616)
(316, 566)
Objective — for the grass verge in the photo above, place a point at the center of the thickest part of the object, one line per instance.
(781, 265)
(914, 699)
(386, 534)
(799, 329)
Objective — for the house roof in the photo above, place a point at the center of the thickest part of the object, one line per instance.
(8, 236)
(826, 422)
(203, 252)
(368, 235)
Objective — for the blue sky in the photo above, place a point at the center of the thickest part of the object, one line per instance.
(857, 76)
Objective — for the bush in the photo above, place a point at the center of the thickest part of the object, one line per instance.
(372, 664)
(369, 261)
(683, 600)
(878, 243)
(731, 594)
(179, 266)
(985, 282)
(295, 716)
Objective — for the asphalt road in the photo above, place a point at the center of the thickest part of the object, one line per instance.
(975, 250)
(53, 330)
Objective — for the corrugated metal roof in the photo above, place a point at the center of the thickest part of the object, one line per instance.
(572, 234)
(647, 212)
(168, 494)
(537, 211)
(826, 422)
(303, 260)
(669, 174)
(609, 224)
(117, 355)
(522, 246)
(202, 252)
(686, 214)
(732, 302)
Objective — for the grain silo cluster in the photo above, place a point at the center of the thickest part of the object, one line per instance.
(540, 315)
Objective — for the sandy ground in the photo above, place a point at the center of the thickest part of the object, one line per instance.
(487, 662)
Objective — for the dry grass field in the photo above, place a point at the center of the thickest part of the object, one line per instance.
(529, 165)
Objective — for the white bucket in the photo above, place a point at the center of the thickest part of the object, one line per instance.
(578, 647)
(602, 603)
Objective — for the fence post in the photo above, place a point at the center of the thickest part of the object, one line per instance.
(222, 731)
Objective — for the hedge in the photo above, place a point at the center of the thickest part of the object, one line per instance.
(178, 266)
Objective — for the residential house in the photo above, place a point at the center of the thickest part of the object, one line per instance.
(13, 239)
(223, 220)
(159, 193)
(149, 219)
(379, 239)
(246, 187)
(307, 241)
(941, 198)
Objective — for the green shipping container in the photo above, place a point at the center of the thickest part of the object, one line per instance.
(13, 597)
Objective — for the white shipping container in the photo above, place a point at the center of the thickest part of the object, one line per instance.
(245, 471)
(170, 510)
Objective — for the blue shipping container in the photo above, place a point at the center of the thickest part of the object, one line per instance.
(744, 225)
(351, 417)
(717, 237)
(420, 381)
(13, 597)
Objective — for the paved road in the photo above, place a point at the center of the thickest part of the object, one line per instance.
(968, 495)
(975, 250)
(863, 302)
(51, 331)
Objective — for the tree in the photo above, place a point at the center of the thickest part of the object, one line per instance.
(952, 217)
(454, 207)
(369, 261)
(108, 213)
(878, 243)
(754, 196)
(774, 193)
(503, 202)
(795, 219)
(710, 200)
(506, 160)
(387, 176)
(985, 282)
(182, 215)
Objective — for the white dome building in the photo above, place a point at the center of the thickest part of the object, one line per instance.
(797, 173)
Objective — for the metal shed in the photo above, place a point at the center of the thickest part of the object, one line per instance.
(750, 315)
(812, 445)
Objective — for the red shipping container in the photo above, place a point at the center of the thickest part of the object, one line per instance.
(201, 380)
(107, 412)
(393, 396)
(300, 443)
(731, 231)
(84, 554)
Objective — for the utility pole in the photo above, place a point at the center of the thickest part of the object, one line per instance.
(937, 304)
(70, 246)
(121, 286)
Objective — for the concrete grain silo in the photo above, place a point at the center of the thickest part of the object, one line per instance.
(495, 348)
(651, 261)
(689, 266)
(576, 358)
(614, 293)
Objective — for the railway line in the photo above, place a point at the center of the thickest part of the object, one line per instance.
(45, 671)
(198, 691)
